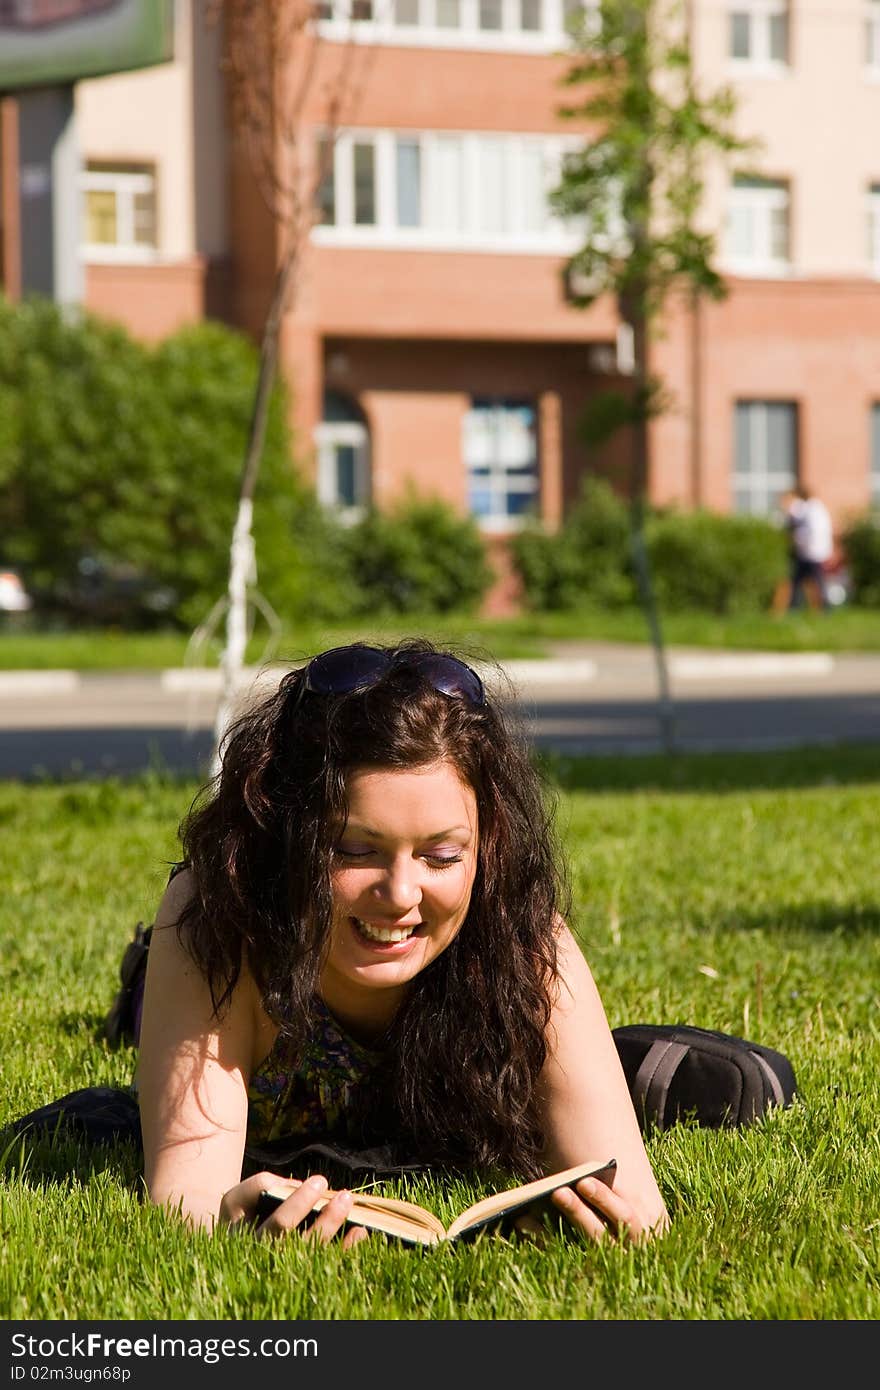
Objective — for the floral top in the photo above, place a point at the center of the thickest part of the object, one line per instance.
(313, 1096)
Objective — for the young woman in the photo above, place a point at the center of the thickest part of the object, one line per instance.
(367, 944)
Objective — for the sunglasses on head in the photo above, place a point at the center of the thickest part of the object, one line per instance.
(344, 669)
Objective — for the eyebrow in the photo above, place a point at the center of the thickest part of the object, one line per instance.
(353, 828)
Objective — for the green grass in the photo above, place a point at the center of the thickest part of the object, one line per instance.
(737, 893)
(527, 635)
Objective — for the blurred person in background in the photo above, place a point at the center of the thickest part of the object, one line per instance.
(811, 546)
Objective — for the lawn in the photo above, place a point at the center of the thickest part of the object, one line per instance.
(526, 635)
(737, 893)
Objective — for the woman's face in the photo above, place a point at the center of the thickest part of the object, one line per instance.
(403, 871)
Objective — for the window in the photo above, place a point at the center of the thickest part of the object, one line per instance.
(343, 457)
(119, 211)
(757, 236)
(758, 31)
(872, 35)
(534, 26)
(874, 229)
(875, 454)
(501, 457)
(765, 455)
(364, 183)
(409, 183)
(444, 190)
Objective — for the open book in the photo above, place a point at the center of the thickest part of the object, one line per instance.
(419, 1226)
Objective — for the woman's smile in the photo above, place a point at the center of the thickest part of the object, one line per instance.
(384, 933)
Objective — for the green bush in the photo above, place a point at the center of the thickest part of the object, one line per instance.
(588, 561)
(79, 466)
(419, 557)
(861, 545)
(699, 561)
(119, 462)
(714, 563)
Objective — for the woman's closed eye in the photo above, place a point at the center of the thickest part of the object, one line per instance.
(442, 861)
(433, 858)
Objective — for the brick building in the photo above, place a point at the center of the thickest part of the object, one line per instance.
(430, 341)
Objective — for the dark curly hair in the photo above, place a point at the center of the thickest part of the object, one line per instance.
(465, 1051)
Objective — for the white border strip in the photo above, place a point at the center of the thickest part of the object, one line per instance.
(529, 670)
(39, 682)
(751, 666)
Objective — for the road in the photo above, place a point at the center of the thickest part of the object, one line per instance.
(592, 699)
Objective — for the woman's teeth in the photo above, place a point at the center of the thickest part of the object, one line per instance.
(386, 934)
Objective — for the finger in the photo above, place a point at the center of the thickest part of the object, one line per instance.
(295, 1208)
(529, 1228)
(239, 1204)
(614, 1211)
(579, 1214)
(354, 1235)
(331, 1218)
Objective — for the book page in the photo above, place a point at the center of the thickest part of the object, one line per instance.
(396, 1216)
(390, 1214)
(501, 1203)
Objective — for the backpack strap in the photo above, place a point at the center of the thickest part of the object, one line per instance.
(773, 1081)
(653, 1079)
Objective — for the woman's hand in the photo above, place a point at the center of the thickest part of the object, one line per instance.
(598, 1211)
(239, 1207)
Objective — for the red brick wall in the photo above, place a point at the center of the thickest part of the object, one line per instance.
(810, 341)
(153, 300)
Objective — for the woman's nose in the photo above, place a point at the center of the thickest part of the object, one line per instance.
(399, 885)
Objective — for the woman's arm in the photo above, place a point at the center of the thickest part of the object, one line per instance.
(193, 1074)
(588, 1111)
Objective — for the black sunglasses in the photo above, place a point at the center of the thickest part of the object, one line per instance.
(343, 669)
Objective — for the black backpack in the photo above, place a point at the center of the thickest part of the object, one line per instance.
(676, 1072)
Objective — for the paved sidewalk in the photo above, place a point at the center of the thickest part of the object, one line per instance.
(620, 667)
(585, 698)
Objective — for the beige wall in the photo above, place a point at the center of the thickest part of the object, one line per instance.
(818, 124)
(150, 116)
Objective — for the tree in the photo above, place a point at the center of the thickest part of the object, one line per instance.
(637, 186)
(278, 92)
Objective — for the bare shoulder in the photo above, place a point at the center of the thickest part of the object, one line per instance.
(169, 961)
(574, 975)
(178, 892)
(179, 1003)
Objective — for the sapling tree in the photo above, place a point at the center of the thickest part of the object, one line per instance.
(280, 94)
(636, 185)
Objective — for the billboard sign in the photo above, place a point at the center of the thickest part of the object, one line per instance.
(46, 43)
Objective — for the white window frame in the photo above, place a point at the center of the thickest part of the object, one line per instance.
(872, 38)
(759, 62)
(556, 237)
(352, 434)
(763, 483)
(125, 184)
(503, 478)
(873, 217)
(760, 203)
(382, 29)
